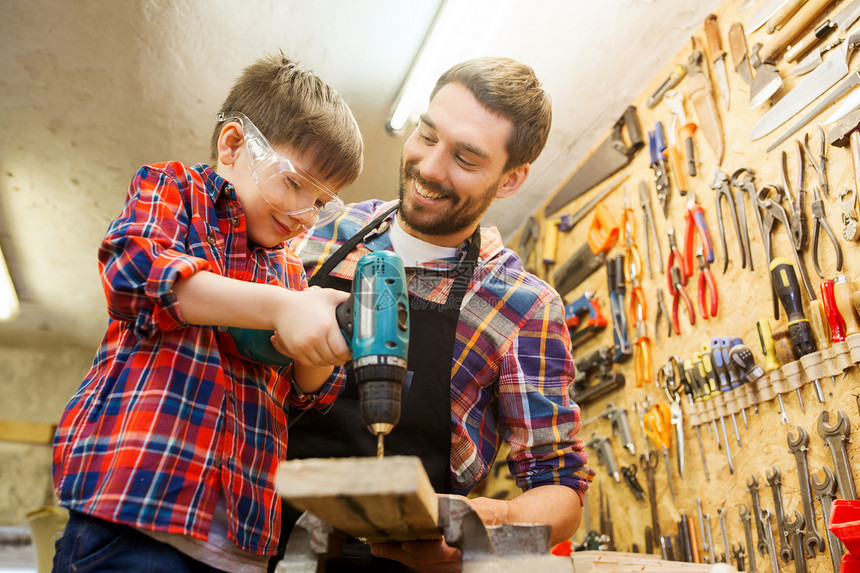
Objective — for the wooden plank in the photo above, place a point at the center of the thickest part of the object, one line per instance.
(376, 500)
(26, 432)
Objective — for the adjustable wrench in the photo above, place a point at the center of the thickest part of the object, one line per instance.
(771, 548)
(826, 492)
(752, 486)
(744, 512)
(794, 529)
(835, 437)
(775, 481)
(812, 540)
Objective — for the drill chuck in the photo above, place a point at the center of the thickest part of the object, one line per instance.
(380, 385)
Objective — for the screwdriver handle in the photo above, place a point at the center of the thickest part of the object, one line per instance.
(725, 344)
(818, 320)
(765, 338)
(843, 286)
(710, 374)
(720, 365)
(787, 288)
(834, 318)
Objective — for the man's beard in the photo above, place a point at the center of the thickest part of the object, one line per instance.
(461, 214)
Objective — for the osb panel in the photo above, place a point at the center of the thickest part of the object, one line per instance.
(744, 298)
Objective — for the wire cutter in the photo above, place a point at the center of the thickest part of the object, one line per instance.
(819, 216)
(650, 232)
(642, 351)
(658, 427)
(674, 254)
(721, 186)
(796, 218)
(661, 312)
(677, 294)
(706, 286)
(695, 218)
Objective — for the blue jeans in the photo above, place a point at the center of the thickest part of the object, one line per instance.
(89, 544)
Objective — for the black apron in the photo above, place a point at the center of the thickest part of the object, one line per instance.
(424, 429)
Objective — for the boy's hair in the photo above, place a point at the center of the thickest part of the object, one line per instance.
(291, 106)
(510, 89)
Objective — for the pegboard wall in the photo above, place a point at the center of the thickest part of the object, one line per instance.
(744, 297)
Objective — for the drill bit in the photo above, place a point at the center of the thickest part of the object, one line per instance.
(380, 446)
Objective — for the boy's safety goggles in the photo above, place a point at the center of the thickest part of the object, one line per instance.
(285, 187)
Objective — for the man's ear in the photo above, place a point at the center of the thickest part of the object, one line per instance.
(513, 180)
(229, 142)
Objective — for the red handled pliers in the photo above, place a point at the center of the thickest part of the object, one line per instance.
(706, 286)
(675, 255)
(677, 294)
(695, 218)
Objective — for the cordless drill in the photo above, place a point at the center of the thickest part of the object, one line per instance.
(375, 322)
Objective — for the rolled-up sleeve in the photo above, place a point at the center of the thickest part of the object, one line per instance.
(144, 253)
(542, 423)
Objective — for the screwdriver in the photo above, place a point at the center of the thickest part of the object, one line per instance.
(834, 317)
(707, 366)
(721, 368)
(821, 329)
(688, 382)
(696, 387)
(735, 380)
(699, 373)
(739, 371)
(765, 338)
(843, 287)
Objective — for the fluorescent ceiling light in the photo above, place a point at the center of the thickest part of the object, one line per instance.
(458, 32)
(9, 306)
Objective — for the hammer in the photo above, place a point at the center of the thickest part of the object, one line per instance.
(845, 133)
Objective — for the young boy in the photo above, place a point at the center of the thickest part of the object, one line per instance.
(166, 455)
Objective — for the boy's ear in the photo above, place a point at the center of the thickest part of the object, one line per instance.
(513, 180)
(229, 142)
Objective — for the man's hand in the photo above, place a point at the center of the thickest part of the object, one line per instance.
(433, 556)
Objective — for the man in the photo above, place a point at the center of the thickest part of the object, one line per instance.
(489, 352)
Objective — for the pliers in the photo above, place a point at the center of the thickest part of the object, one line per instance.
(695, 218)
(661, 312)
(706, 286)
(819, 216)
(642, 351)
(796, 216)
(746, 185)
(674, 254)
(650, 232)
(677, 294)
(721, 186)
(657, 150)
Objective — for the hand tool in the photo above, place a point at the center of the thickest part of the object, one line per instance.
(528, 240)
(640, 410)
(841, 21)
(663, 312)
(606, 525)
(549, 244)
(794, 531)
(834, 315)
(767, 80)
(728, 378)
(738, 554)
(668, 379)
(602, 235)
(611, 156)
(620, 425)
(695, 219)
(788, 290)
(570, 221)
(771, 547)
(675, 101)
(705, 366)
(747, 370)
(675, 157)
(721, 186)
(736, 374)
(648, 465)
(700, 93)
(696, 388)
(706, 546)
(605, 456)
(752, 487)
(767, 219)
(835, 437)
(714, 355)
(649, 540)
(820, 167)
(782, 15)
(850, 224)
(744, 513)
(812, 540)
(775, 210)
(765, 11)
(843, 288)
(718, 56)
(706, 286)
(710, 538)
(641, 351)
(849, 104)
(690, 527)
(673, 79)
(675, 261)
(657, 150)
(375, 322)
(623, 350)
(650, 232)
(826, 492)
(574, 311)
(685, 544)
(666, 548)
(765, 337)
(821, 331)
(743, 179)
(596, 364)
(632, 266)
(820, 221)
(738, 50)
(814, 57)
(774, 479)
(796, 218)
(629, 475)
(679, 293)
(721, 518)
(816, 83)
(848, 84)
(658, 427)
(845, 133)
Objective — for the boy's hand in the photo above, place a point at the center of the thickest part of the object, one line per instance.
(307, 331)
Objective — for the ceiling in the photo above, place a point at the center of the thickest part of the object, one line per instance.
(92, 89)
